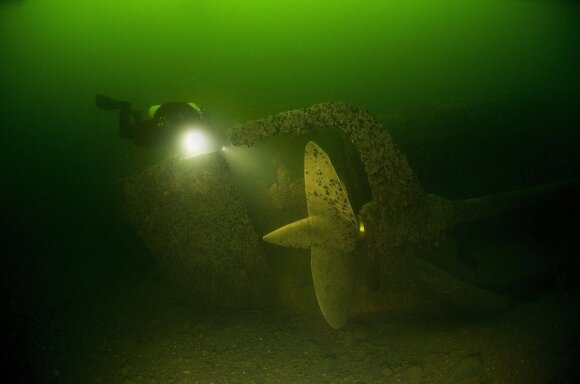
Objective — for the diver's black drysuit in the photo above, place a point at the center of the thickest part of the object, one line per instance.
(167, 119)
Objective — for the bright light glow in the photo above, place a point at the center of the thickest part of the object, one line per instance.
(195, 142)
(361, 225)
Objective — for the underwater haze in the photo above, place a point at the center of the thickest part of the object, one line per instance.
(482, 96)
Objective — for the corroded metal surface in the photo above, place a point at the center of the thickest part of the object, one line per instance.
(390, 176)
(400, 210)
(400, 219)
(191, 216)
(193, 219)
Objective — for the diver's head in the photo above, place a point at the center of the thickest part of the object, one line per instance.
(175, 113)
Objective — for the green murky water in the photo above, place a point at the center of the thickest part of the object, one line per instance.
(481, 96)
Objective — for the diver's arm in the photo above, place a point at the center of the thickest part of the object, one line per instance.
(129, 122)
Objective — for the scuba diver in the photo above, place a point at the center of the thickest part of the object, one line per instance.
(164, 123)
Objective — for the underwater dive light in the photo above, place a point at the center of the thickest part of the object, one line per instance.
(196, 142)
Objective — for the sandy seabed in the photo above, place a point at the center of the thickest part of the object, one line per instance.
(152, 334)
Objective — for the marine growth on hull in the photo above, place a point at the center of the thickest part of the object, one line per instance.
(203, 217)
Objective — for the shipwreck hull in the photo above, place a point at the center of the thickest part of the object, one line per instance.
(190, 215)
(193, 219)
